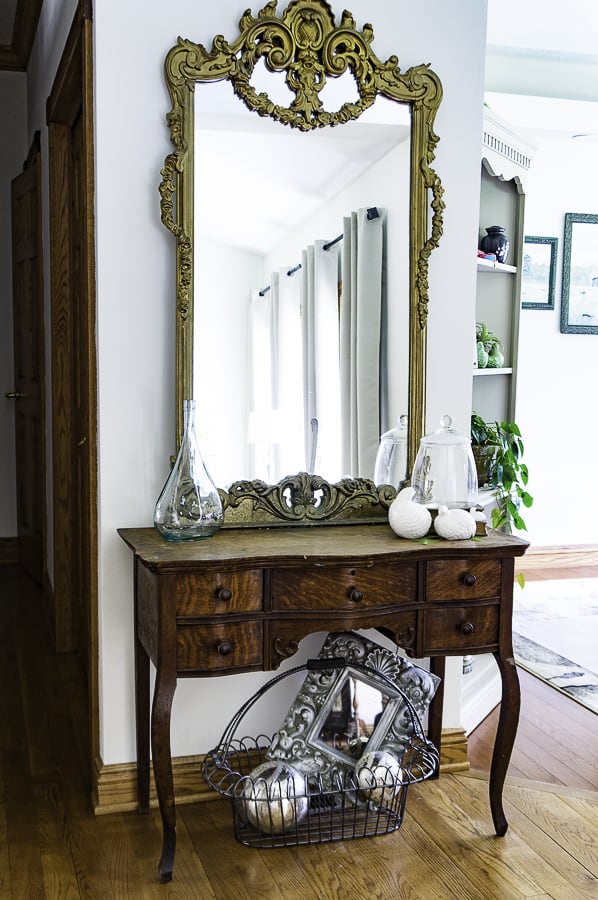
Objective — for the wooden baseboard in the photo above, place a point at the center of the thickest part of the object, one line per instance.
(116, 786)
(9, 550)
(558, 557)
(453, 753)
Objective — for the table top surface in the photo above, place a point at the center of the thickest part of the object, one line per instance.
(311, 545)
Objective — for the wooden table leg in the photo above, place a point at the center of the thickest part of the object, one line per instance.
(505, 737)
(437, 667)
(162, 761)
(142, 725)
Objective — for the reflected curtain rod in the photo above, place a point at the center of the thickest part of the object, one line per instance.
(371, 213)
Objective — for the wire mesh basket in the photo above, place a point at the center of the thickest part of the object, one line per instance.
(276, 804)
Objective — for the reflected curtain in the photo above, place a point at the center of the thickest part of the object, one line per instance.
(315, 385)
(321, 336)
(275, 429)
(362, 319)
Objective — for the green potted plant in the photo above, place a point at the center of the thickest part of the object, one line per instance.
(499, 447)
(489, 348)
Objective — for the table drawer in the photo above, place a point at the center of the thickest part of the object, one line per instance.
(286, 634)
(213, 648)
(463, 579)
(342, 588)
(460, 628)
(215, 593)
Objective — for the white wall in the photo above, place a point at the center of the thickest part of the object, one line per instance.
(558, 373)
(135, 290)
(13, 150)
(453, 273)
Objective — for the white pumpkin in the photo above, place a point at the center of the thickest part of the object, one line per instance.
(275, 797)
(379, 776)
(406, 518)
(454, 524)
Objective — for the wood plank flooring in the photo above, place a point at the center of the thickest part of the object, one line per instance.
(52, 846)
(557, 741)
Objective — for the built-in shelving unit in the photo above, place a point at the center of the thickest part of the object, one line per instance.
(503, 370)
(487, 265)
(505, 161)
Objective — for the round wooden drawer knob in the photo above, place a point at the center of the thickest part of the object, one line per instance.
(355, 595)
(224, 594)
(224, 648)
(469, 580)
(467, 628)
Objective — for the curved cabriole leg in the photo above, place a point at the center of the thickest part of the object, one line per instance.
(162, 761)
(505, 737)
(142, 695)
(166, 864)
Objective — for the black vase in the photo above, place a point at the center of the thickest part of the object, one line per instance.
(496, 241)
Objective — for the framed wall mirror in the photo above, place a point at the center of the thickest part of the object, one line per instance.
(305, 209)
(579, 301)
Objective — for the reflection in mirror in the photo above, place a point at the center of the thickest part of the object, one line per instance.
(260, 209)
(317, 361)
(356, 710)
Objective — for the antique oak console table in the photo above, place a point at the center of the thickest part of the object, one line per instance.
(242, 601)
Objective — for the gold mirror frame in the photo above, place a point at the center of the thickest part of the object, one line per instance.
(305, 43)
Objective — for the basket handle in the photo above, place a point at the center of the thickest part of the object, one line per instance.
(319, 664)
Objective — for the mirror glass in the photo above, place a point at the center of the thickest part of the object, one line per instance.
(304, 207)
(356, 709)
(263, 194)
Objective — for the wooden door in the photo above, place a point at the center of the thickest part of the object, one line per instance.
(28, 391)
(73, 349)
(82, 333)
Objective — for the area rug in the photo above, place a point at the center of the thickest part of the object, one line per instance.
(555, 625)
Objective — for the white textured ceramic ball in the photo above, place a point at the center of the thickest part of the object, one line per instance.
(454, 524)
(275, 797)
(406, 518)
(379, 775)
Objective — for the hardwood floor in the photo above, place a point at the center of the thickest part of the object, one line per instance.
(52, 846)
(557, 740)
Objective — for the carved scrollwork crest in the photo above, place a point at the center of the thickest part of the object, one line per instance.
(305, 499)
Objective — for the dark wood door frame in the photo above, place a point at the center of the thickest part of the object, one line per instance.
(29, 367)
(70, 100)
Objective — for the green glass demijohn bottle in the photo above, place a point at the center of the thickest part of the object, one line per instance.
(189, 507)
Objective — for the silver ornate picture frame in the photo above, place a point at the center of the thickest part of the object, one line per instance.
(342, 711)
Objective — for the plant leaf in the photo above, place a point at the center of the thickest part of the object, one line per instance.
(520, 579)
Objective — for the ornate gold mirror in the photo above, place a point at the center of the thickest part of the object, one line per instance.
(294, 108)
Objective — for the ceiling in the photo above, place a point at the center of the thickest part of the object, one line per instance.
(530, 55)
(553, 54)
(542, 67)
(18, 22)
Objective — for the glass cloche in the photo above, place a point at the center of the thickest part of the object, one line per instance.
(444, 473)
(391, 458)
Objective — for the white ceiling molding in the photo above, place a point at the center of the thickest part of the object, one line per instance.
(498, 137)
(542, 73)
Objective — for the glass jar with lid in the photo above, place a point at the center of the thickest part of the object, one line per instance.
(391, 458)
(444, 473)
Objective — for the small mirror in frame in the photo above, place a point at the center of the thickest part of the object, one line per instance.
(579, 302)
(538, 273)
